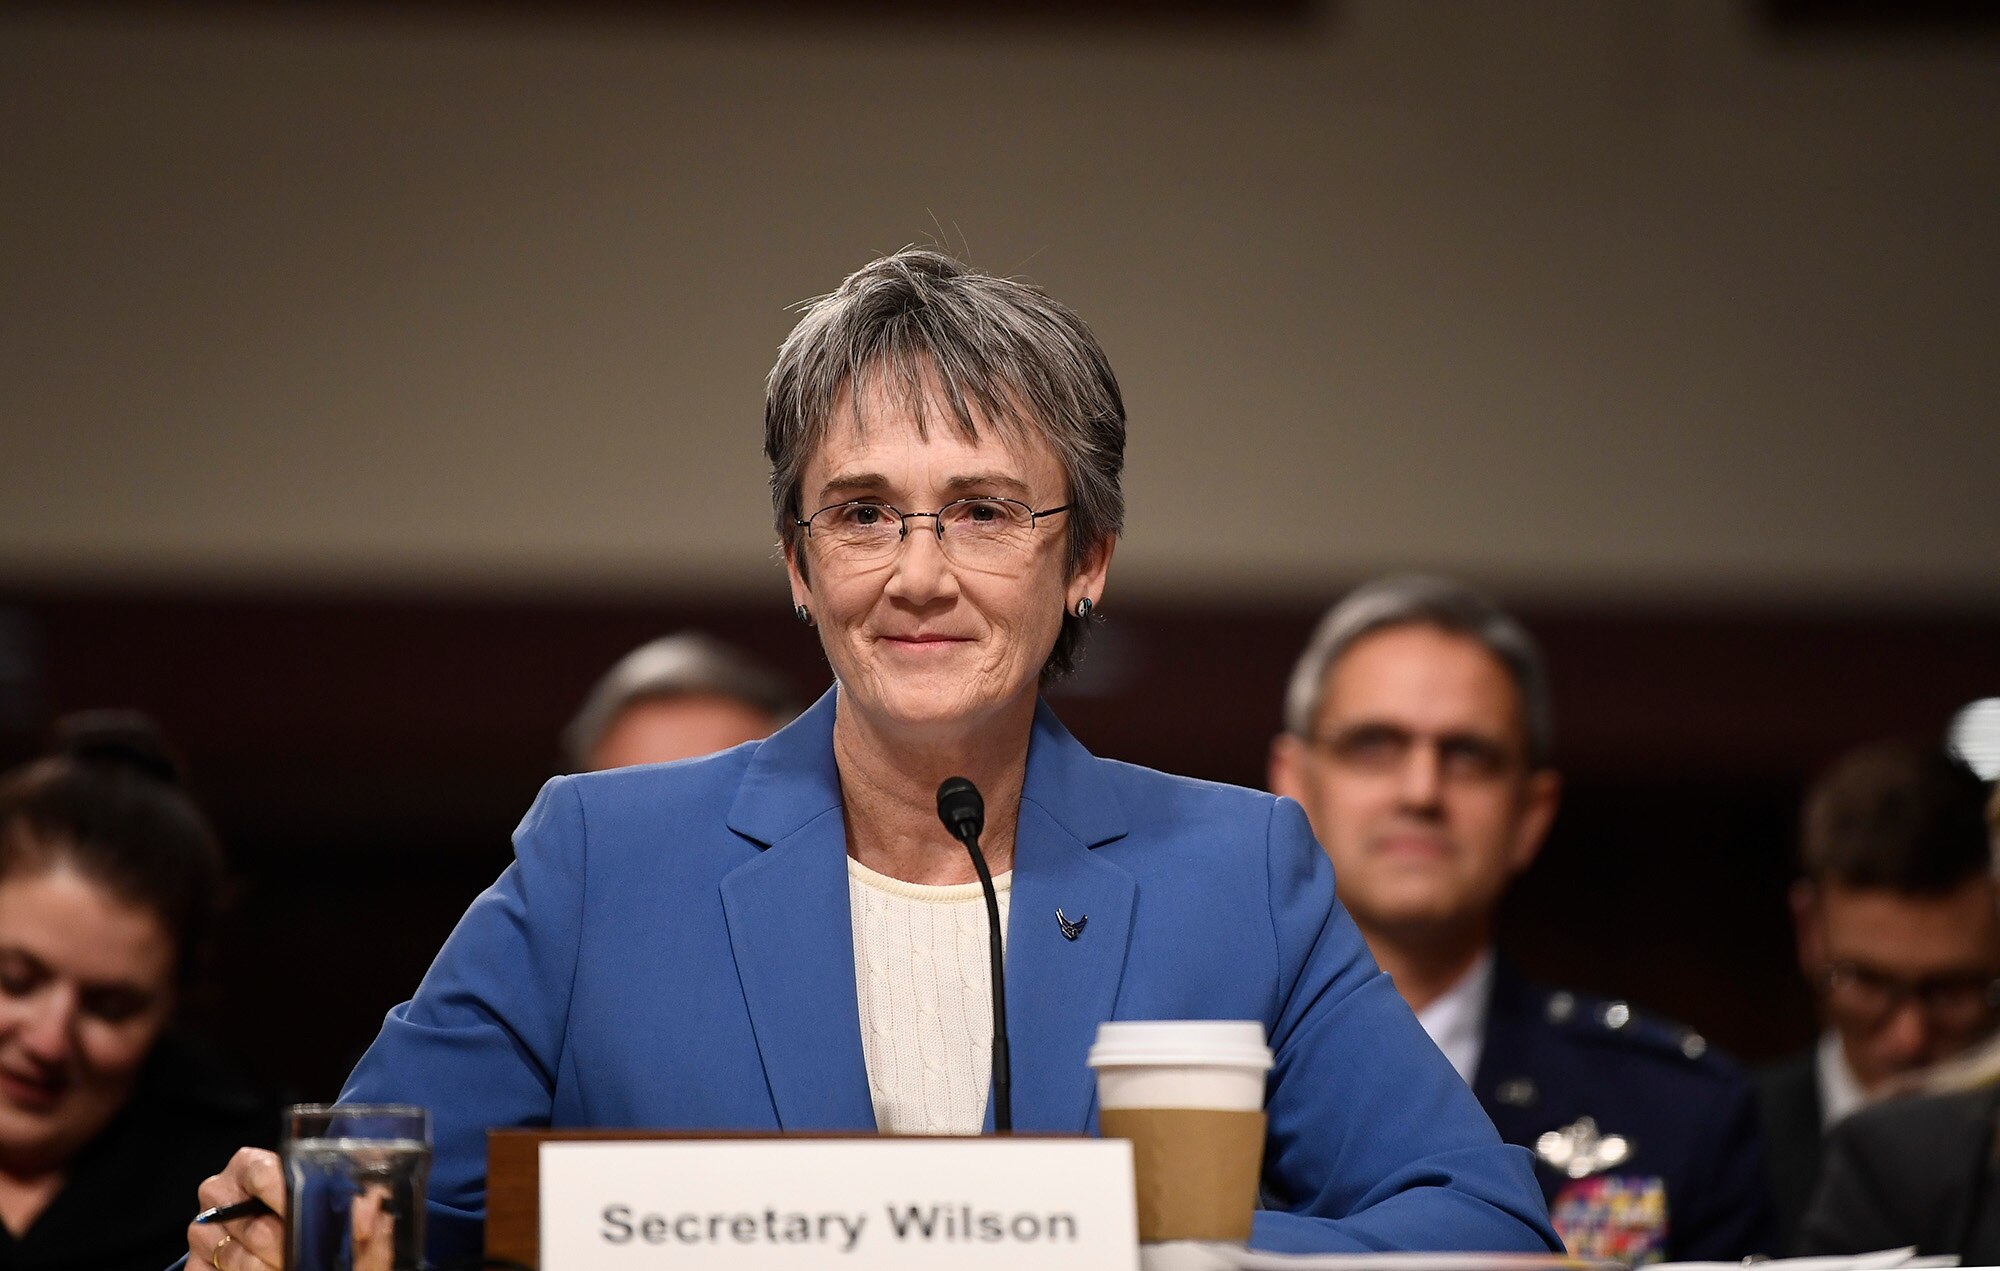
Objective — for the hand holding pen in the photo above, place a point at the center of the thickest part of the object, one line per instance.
(242, 1227)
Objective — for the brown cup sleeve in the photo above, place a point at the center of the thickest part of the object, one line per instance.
(1195, 1170)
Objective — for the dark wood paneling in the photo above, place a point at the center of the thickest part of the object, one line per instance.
(366, 757)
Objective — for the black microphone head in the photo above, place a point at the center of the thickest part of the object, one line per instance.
(960, 808)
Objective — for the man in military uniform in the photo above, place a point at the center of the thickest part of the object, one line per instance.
(1898, 920)
(1417, 738)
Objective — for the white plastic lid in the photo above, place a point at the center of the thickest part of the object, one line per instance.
(1210, 1043)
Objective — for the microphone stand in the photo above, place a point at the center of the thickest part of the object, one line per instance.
(964, 815)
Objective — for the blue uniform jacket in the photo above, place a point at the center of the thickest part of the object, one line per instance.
(671, 948)
(1687, 1116)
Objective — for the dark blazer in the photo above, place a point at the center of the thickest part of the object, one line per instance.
(672, 948)
(1788, 1098)
(1687, 1114)
(1916, 1171)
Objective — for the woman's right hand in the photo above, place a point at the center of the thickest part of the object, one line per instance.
(244, 1244)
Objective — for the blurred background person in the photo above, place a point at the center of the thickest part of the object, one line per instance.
(674, 698)
(1899, 935)
(108, 1117)
(1418, 737)
(1918, 1171)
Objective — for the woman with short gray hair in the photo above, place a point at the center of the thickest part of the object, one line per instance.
(950, 347)
(785, 937)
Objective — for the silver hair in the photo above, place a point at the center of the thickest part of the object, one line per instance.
(923, 327)
(674, 666)
(1405, 600)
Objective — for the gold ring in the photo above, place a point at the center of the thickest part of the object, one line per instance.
(215, 1254)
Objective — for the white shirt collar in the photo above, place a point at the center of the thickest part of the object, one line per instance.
(1456, 1020)
(1840, 1090)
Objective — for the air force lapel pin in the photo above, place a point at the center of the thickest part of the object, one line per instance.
(1071, 930)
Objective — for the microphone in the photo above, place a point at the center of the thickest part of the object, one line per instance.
(961, 809)
(964, 815)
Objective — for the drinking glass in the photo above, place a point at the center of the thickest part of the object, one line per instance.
(354, 1186)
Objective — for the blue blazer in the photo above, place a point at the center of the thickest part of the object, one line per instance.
(671, 948)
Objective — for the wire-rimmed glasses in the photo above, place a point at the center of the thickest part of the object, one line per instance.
(986, 533)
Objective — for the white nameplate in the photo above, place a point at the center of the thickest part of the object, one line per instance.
(809, 1203)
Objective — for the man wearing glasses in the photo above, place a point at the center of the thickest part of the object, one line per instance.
(1417, 736)
(1899, 934)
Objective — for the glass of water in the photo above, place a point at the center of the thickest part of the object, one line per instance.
(354, 1186)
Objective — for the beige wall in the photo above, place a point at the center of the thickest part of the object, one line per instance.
(1585, 298)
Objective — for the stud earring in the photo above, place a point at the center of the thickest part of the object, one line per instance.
(1083, 607)
(803, 614)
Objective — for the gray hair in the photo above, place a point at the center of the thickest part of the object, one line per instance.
(1420, 600)
(922, 324)
(679, 665)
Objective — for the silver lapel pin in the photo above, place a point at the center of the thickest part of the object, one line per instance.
(1579, 1151)
(1070, 930)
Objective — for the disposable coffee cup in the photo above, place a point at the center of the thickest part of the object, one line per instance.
(1189, 1094)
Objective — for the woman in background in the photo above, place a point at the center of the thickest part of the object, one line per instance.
(107, 1120)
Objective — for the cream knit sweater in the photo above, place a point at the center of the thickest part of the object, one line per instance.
(921, 977)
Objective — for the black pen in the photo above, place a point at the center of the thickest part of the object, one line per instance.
(252, 1208)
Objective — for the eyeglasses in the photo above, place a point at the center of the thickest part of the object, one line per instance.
(1869, 996)
(988, 534)
(1383, 749)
